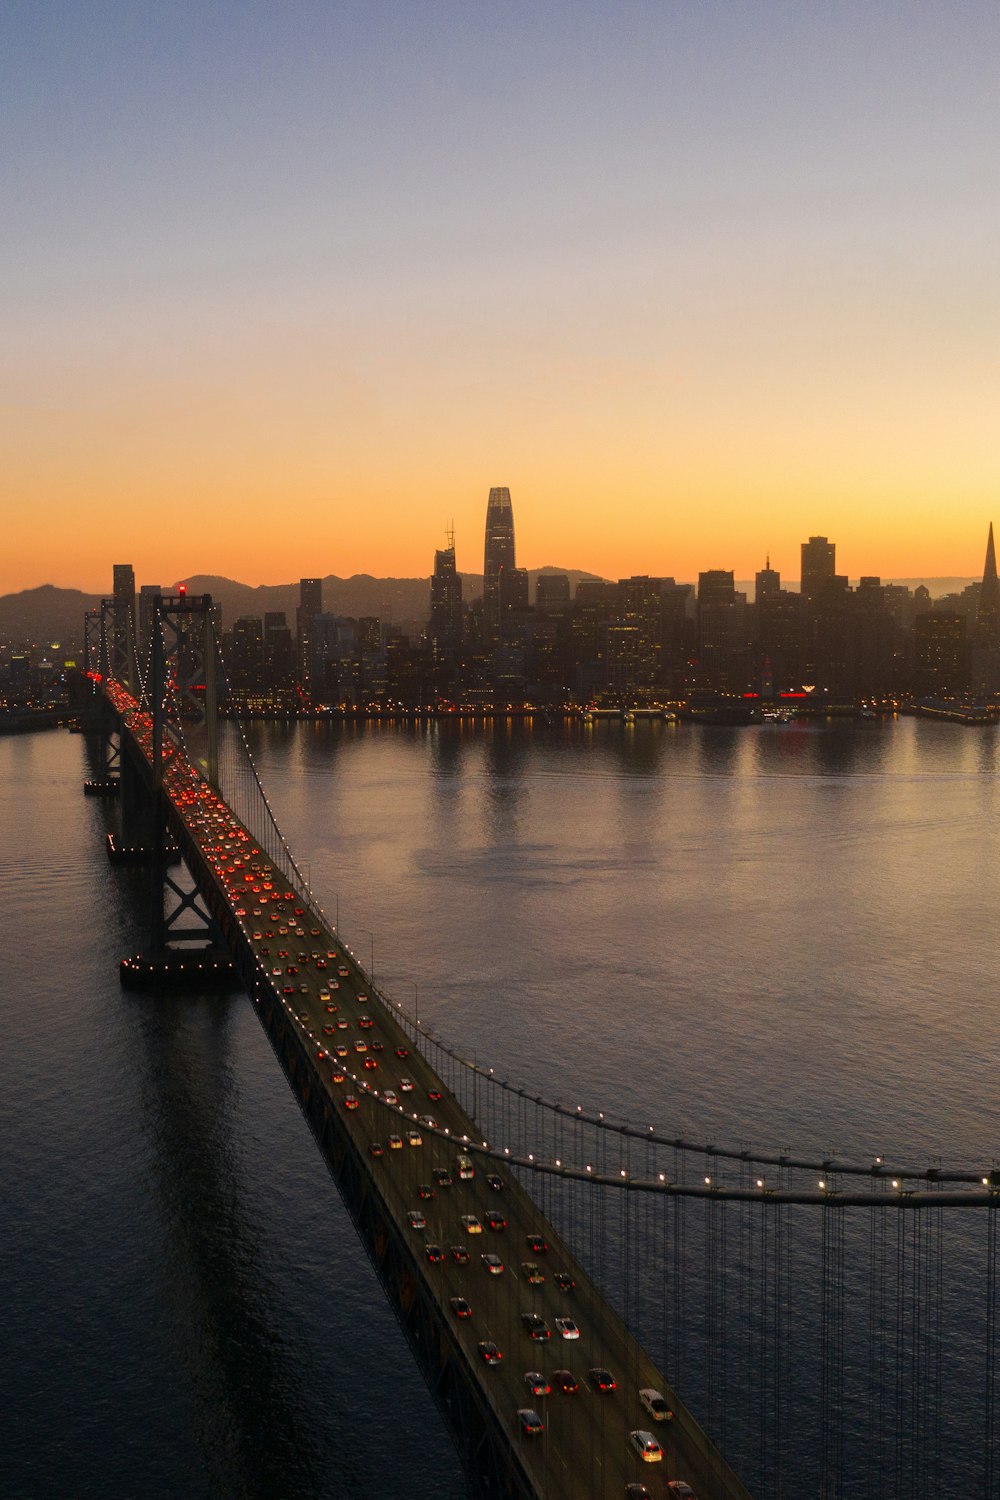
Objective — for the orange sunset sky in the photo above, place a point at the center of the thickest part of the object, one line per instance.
(287, 289)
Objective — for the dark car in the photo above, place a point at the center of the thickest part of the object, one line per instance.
(496, 1221)
(460, 1307)
(566, 1381)
(460, 1255)
(442, 1177)
(538, 1243)
(488, 1352)
(495, 1181)
(535, 1327)
(564, 1281)
(434, 1254)
(602, 1380)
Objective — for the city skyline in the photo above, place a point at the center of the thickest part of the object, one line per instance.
(668, 272)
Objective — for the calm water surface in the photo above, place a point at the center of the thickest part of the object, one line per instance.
(783, 935)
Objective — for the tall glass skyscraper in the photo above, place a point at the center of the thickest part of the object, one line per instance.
(498, 558)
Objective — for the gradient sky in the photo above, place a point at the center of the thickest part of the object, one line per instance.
(286, 287)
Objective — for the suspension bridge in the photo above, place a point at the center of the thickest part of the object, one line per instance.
(812, 1326)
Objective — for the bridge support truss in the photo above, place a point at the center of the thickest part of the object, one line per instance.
(186, 946)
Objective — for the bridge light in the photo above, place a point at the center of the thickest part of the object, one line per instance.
(986, 1182)
(558, 1162)
(624, 1173)
(708, 1180)
(590, 1169)
(663, 1177)
(895, 1182)
(822, 1184)
(760, 1182)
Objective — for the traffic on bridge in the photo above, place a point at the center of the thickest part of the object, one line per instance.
(578, 1405)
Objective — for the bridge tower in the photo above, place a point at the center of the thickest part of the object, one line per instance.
(101, 721)
(186, 945)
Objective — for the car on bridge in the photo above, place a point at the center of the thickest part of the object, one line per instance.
(535, 1327)
(494, 1180)
(459, 1306)
(537, 1383)
(471, 1224)
(414, 1138)
(530, 1422)
(601, 1379)
(488, 1352)
(405, 1084)
(653, 1403)
(566, 1381)
(538, 1243)
(395, 1143)
(681, 1490)
(496, 1221)
(460, 1255)
(646, 1446)
(492, 1263)
(424, 1190)
(564, 1281)
(442, 1177)
(350, 1101)
(567, 1328)
(415, 1219)
(532, 1273)
(376, 1148)
(434, 1254)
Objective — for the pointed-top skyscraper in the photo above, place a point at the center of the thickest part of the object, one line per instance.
(986, 635)
(498, 557)
(988, 609)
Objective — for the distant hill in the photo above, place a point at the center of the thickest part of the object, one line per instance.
(44, 615)
(48, 614)
(401, 601)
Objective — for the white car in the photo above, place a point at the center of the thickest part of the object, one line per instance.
(390, 1097)
(471, 1224)
(406, 1084)
(646, 1446)
(567, 1328)
(653, 1403)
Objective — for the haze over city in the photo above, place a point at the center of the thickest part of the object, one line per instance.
(292, 287)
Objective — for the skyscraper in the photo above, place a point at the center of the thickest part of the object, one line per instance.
(446, 600)
(819, 563)
(124, 617)
(986, 636)
(310, 605)
(498, 558)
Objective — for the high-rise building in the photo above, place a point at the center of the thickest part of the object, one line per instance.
(498, 558)
(279, 650)
(940, 654)
(247, 661)
(768, 582)
(123, 590)
(552, 594)
(310, 605)
(819, 563)
(446, 600)
(722, 631)
(986, 634)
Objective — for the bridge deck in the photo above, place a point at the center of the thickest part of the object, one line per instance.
(298, 962)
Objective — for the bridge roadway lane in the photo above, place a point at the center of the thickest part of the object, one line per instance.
(584, 1450)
